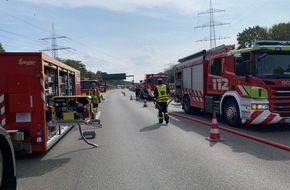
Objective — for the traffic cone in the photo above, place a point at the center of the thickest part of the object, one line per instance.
(145, 103)
(214, 131)
(131, 98)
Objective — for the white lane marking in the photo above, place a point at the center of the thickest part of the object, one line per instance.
(98, 114)
(174, 118)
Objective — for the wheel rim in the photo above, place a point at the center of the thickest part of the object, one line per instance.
(231, 113)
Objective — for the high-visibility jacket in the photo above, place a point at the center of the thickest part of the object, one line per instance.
(162, 93)
(95, 94)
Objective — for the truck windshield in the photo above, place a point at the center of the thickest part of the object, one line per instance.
(155, 81)
(272, 65)
(87, 84)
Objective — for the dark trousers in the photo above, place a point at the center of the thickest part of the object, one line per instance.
(163, 110)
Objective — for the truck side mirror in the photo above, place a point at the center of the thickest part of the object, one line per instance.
(242, 69)
(239, 58)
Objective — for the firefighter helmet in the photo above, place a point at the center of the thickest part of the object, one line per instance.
(159, 80)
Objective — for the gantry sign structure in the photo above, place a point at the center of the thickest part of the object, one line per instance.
(116, 76)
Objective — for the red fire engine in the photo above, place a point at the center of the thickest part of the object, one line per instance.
(246, 86)
(28, 83)
(147, 86)
(86, 84)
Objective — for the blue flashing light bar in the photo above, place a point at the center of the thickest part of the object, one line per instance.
(271, 42)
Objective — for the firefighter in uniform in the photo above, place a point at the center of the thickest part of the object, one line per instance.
(160, 99)
(137, 92)
(96, 97)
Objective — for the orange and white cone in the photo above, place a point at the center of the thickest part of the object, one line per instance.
(214, 131)
(145, 103)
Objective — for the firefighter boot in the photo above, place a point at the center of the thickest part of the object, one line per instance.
(160, 118)
(94, 112)
(166, 118)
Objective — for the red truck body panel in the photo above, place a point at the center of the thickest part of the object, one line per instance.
(24, 84)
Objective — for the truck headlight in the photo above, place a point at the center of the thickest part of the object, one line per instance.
(259, 106)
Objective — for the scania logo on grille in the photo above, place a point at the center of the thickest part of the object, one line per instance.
(286, 82)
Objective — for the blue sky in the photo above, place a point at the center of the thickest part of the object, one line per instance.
(130, 36)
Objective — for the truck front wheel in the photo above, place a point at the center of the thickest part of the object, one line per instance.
(7, 178)
(231, 113)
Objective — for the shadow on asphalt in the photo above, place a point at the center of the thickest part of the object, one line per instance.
(41, 166)
(151, 128)
(273, 133)
(257, 128)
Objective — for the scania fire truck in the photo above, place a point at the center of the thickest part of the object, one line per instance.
(28, 81)
(245, 86)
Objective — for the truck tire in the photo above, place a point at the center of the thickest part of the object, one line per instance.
(186, 105)
(8, 180)
(231, 113)
(188, 108)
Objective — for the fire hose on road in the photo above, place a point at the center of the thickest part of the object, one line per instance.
(94, 123)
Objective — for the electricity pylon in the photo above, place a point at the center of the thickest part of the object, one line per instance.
(54, 47)
(212, 25)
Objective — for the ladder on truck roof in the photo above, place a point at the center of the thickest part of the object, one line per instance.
(208, 53)
(219, 50)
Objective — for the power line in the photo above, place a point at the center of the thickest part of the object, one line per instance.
(21, 39)
(104, 53)
(54, 47)
(19, 35)
(28, 23)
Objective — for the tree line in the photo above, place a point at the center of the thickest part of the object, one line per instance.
(279, 32)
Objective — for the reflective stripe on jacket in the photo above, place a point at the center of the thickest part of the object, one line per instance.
(162, 93)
